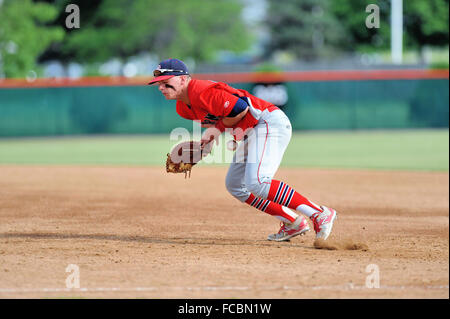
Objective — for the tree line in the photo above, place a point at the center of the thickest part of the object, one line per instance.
(36, 31)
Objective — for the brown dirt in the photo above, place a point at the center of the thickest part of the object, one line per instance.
(140, 233)
(348, 244)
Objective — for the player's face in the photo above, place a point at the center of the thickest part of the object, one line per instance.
(171, 88)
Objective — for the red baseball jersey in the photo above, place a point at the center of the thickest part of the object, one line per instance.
(211, 101)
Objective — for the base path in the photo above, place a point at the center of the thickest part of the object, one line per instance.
(137, 232)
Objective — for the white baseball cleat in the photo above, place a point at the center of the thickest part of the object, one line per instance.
(298, 227)
(323, 222)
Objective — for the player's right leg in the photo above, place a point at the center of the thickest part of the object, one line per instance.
(292, 223)
(266, 146)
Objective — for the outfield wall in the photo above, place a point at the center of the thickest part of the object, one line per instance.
(318, 100)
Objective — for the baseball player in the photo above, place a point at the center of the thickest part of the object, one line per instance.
(263, 132)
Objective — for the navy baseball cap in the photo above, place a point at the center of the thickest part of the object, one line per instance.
(168, 69)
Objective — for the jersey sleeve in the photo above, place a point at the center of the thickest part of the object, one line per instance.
(218, 102)
(182, 110)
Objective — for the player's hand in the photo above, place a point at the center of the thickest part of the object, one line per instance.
(203, 143)
(206, 147)
(209, 135)
(206, 140)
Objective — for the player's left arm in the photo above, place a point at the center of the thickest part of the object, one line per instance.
(238, 112)
(226, 106)
(212, 133)
(229, 108)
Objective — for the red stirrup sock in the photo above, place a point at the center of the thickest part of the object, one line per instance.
(282, 213)
(284, 195)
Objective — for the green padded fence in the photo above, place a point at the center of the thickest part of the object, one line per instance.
(369, 104)
(142, 109)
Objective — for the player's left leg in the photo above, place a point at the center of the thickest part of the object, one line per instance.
(266, 147)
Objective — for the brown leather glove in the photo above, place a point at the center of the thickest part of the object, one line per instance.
(185, 155)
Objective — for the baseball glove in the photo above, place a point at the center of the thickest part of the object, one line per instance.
(184, 156)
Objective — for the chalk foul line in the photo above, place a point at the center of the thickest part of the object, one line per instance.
(348, 286)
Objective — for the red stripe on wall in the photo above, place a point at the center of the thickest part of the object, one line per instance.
(310, 76)
(247, 77)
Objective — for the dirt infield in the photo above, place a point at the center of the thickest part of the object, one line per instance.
(139, 233)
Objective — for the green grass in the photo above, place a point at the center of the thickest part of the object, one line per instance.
(395, 150)
(392, 150)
